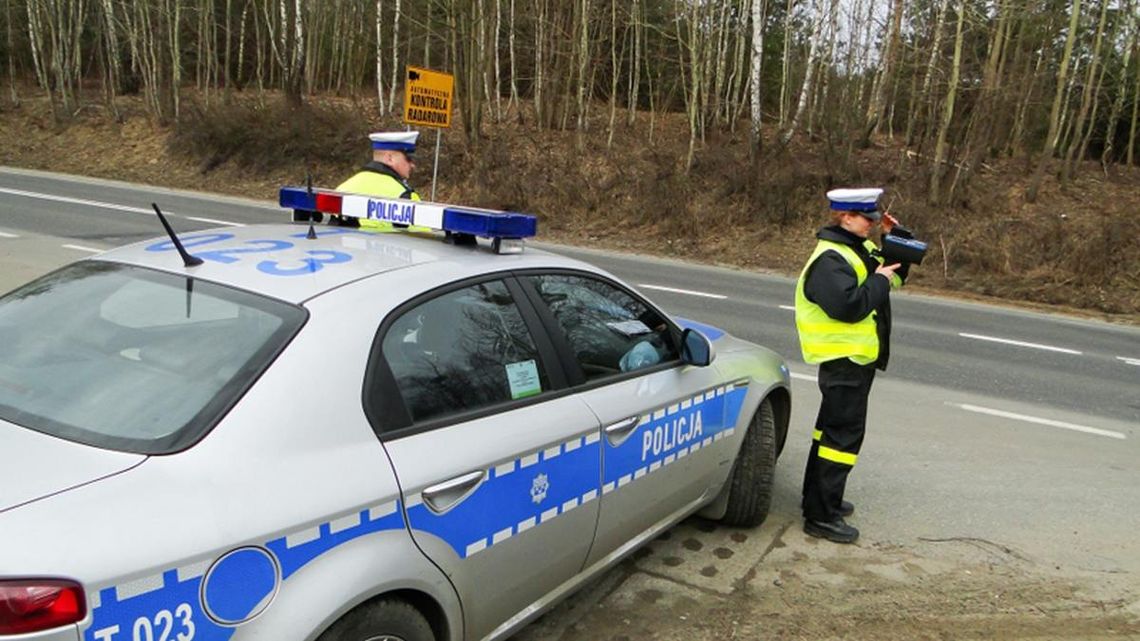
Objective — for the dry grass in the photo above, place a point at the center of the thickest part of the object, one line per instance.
(1077, 247)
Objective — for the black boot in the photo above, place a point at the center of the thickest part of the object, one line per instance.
(836, 531)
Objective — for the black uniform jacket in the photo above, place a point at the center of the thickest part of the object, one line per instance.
(831, 283)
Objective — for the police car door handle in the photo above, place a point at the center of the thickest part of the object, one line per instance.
(617, 432)
(441, 497)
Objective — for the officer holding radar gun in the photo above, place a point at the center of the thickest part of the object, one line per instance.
(843, 317)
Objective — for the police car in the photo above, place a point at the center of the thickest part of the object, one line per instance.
(295, 432)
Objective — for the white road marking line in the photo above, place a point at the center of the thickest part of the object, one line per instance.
(215, 222)
(682, 291)
(804, 377)
(76, 201)
(1040, 421)
(1130, 361)
(103, 205)
(7, 235)
(1018, 343)
(83, 249)
(788, 307)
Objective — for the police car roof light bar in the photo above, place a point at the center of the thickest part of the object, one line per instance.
(486, 223)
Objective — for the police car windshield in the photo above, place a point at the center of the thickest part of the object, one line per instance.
(132, 359)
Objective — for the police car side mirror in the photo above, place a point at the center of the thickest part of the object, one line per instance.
(696, 349)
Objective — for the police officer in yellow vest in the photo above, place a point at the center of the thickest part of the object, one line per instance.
(386, 176)
(843, 317)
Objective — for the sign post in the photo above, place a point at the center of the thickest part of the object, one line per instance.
(427, 103)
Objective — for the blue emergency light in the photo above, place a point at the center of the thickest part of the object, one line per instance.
(499, 226)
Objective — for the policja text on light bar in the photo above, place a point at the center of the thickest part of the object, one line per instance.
(487, 223)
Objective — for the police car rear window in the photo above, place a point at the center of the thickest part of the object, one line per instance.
(131, 359)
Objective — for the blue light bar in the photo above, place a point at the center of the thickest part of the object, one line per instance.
(297, 198)
(485, 223)
(489, 224)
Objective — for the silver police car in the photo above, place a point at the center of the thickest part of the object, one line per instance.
(338, 434)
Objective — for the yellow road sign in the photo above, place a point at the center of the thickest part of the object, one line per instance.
(427, 97)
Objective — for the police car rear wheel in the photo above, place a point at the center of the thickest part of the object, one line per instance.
(750, 486)
(381, 620)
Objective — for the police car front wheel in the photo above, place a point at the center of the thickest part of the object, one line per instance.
(381, 620)
(750, 486)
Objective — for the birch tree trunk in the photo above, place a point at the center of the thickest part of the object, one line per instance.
(380, 57)
(1086, 99)
(12, 95)
(635, 61)
(1055, 112)
(820, 102)
(111, 40)
(785, 72)
(395, 57)
(498, 73)
(979, 133)
(886, 77)
(805, 90)
(239, 79)
(928, 75)
(756, 92)
(583, 62)
(539, 63)
(511, 54)
(614, 72)
(1135, 109)
(1118, 103)
(947, 108)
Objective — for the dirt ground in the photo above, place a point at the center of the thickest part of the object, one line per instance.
(702, 581)
(698, 581)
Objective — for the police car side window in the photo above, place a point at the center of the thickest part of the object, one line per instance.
(609, 330)
(461, 351)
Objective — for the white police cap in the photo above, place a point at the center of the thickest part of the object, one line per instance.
(863, 201)
(404, 141)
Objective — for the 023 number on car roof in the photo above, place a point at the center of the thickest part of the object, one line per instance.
(314, 262)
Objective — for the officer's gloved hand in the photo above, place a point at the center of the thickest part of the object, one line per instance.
(901, 232)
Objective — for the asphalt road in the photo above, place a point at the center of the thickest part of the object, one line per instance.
(992, 423)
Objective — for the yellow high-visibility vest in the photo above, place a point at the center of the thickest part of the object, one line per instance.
(822, 338)
(371, 183)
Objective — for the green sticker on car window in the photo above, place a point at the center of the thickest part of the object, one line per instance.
(523, 377)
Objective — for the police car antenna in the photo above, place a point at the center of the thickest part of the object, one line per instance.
(187, 259)
(312, 235)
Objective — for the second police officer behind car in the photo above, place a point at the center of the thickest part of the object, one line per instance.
(386, 175)
(843, 317)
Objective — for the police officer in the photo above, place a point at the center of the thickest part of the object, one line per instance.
(386, 175)
(843, 317)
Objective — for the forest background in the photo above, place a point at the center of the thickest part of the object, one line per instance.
(1004, 131)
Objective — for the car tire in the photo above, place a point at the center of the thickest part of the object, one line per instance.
(381, 620)
(750, 484)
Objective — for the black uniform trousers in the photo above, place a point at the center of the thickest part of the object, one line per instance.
(838, 436)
